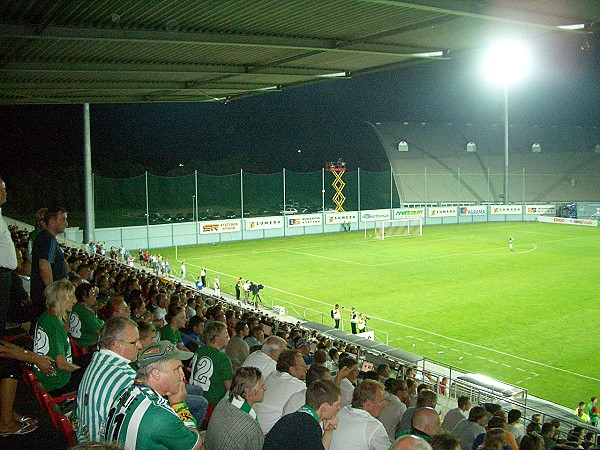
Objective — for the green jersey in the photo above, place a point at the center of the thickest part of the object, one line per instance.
(210, 369)
(142, 419)
(168, 334)
(51, 339)
(84, 326)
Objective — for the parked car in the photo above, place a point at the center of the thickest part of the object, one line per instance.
(230, 215)
(288, 210)
(189, 217)
(153, 217)
(166, 218)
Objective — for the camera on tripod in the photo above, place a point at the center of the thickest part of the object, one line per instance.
(255, 288)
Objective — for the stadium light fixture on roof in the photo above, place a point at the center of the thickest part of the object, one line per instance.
(336, 75)
(577, 26)
(506, 62)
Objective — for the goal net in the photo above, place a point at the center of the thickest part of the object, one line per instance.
(396, 228)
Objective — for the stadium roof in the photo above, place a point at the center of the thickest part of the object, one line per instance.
(105, 51)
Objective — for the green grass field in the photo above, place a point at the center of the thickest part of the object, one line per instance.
(526, 317)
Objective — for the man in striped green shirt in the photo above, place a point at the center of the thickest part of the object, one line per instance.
(152, 412)
(106, 376)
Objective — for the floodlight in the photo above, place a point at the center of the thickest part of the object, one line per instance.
(506, 62)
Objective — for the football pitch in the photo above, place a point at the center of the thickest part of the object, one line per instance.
(527, 317)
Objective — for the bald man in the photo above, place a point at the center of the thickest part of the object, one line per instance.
(425, 423)
(411, 443)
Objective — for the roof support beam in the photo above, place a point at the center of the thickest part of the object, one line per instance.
(170, 69)
(220, 39)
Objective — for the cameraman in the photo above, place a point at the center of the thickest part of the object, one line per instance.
(362, 323)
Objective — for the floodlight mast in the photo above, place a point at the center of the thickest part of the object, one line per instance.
(506, 62)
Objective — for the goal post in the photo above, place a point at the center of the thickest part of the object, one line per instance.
(386, 229)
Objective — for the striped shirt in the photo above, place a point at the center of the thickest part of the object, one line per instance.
(141, 419)
(106, 376)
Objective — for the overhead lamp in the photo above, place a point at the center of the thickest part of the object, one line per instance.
(427, 54)
(536, 148)
(577, 26)
(336, 75)
(402, 146)
(269, 88)
(471, 147)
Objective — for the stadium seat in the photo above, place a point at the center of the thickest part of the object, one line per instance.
(51, 405)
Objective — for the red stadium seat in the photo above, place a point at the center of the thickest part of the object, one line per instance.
(51, 405)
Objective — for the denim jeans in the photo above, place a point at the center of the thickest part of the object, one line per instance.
(196, 402)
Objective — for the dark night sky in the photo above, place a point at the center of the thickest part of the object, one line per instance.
(325, 121)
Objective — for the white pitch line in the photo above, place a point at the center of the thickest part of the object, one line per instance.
(492, 361)
(506, 365)
(482, 347)
(522, 370)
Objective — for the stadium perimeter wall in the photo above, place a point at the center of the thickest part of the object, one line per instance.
(217, 231)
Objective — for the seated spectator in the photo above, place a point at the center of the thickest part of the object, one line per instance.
(233, 424)
(106, 376)
(425, 423)
(211, 369)
(51, 339)
(426, 399)
(532, 441)
(286, 380)
(468, 429)
(383, 370)
(256, 337)
(498, 421)
(411, 443)
(444, 441)
(588, 440)
(358, 426)
(11, 421)
(84, 325)
(301, 429)
(320, 358)
(238, 349)
(303, 346)
(115, 307)
(160, 311)
(547, 433)
(576, 435)
(347, 384)
(148, 333)
(175, 319)
(514, 425)
(266, 358)
(138, 309)
(533, 427)
(495, 439)
(394, 409)
(141, 415)
(457, 414)
(297, 400)
(192, 336)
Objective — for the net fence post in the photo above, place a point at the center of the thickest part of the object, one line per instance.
(147, 213)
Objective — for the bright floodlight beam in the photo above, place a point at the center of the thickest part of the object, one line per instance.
(506, 62)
